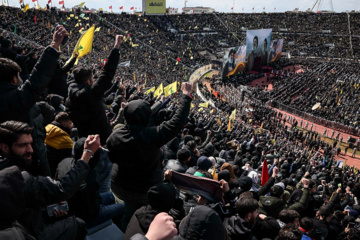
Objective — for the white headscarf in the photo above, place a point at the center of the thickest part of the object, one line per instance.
(254, 177)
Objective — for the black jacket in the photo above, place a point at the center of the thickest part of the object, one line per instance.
(85, 104)
(32, 193)
(15, 102)
(202, 223)
(238, 228)
(135, 148)
(176, 165)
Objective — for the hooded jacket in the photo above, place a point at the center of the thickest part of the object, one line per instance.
(22, 196)
(85, 105)
(135, 148)
(59, 145)
(202, 223)
(238, 228)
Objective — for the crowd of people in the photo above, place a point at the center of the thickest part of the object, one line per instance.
(84, 144)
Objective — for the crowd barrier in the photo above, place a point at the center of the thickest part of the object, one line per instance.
(317, 120)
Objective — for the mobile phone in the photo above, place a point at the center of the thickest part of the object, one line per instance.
(66, 38)
(59, 206)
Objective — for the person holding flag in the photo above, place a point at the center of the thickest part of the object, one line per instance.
(85, 102)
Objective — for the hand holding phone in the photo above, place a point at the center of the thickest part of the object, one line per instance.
(57, 209)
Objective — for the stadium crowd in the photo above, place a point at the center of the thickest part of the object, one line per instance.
(81, 145)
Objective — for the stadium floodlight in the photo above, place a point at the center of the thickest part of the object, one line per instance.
(318, 4)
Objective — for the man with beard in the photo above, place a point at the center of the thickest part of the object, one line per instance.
(252, 55)
(273, 51)
(239, 227)
(230, 65)
(23, 197)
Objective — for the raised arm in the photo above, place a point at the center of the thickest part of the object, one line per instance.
(103, 83)
(168, 130)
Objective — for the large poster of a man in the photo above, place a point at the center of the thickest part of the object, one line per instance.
(257, 48)
(234, 60)
(276, 49)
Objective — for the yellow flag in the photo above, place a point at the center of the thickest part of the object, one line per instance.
(233, 115)
(159, 91)
(260, 130)
(72, 15)
(213, 172)
(170, 89)
(84, 44)
(212, 111)
(100, 9)
(219, 121)
(205, 105)
(26, 8)
(150, 90)
(77, 25)
(133, 74)
(97, 29)
(192, 105)
(81, 4)
(229, 126)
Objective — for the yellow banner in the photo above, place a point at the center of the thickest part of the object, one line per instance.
(155, 6)
(170, 89)
(84, 44)
(150, 90)
(159, 91)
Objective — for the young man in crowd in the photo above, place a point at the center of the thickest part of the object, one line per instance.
(17, 99)
(23, 196)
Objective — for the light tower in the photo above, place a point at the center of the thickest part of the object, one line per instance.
(185, 3)
(318, 4)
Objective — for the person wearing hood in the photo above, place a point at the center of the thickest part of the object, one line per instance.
(161, 199)
(135, 151)
(58, 141)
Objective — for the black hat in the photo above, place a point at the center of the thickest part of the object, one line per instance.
(204, 163)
